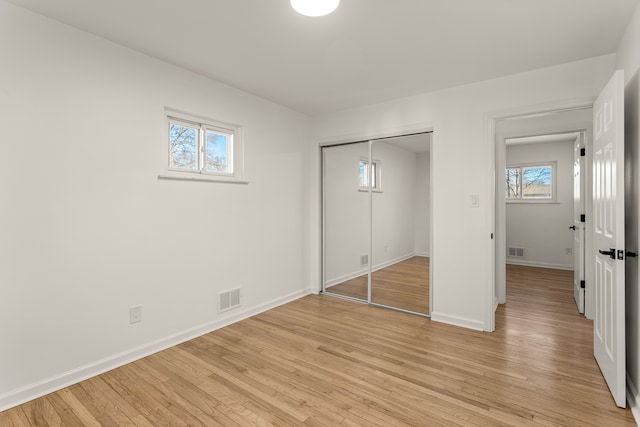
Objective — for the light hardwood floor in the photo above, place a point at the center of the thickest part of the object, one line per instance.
(403, 285)
(323, 361)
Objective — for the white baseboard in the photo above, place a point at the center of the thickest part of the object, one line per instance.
(633, 399)
(345, 278)
(392, 261)
(457, 321)
(539, 264)
(364, 271)
(32, 391)
(422, 254)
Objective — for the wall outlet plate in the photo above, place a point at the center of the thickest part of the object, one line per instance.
(135, 314)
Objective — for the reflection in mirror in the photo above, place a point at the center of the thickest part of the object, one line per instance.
(400, 223)
(346, 219)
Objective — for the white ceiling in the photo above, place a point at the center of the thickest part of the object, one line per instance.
(367, 51)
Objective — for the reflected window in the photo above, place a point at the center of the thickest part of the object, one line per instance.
(369, 171)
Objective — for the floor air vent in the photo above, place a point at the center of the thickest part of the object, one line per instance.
(228, 300)
(515, 252)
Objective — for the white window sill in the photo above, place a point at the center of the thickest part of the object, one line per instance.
(366, 190)
(200, 178)
(532, 202)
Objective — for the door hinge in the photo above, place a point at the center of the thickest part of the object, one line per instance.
(583, 152)
(582, 284)
(491, 236)
(583, 218)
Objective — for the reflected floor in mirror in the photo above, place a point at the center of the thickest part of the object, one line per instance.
(403, 285)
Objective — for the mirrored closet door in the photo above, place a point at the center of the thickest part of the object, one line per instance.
(400, 224)
(346, 221)
(376, 224)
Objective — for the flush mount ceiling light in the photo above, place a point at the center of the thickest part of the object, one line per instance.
(315, 7)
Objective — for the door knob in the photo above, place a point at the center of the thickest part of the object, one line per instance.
(631, 254)
(611, 253)
(573, 227)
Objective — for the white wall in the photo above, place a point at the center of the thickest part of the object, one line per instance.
(87, 229)
(542, 229)
(347, 210)
(628, 58)
(422, 218)
(463, 286)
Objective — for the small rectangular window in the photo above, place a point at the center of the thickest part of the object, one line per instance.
(203, 147)
(530, 182)
(369, 172)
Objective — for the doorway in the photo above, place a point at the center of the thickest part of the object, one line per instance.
(376, 221)
(538, 212)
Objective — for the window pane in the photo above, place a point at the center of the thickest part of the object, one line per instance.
(364, 169)
(183, 147)
(536, 182)
(217, 150)
(512, 185)
(374, 175)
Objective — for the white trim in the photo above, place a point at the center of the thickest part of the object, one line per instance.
(323, 221)
(411, 129)
(200, 177)
(392, 261)
(345, 278)
(457, 321)
(431, 253)
(495, 247)
(32, 391)
(490, 294)
(422, 254)
(633, 399)
(364, 271)
(532, 202)
(539, 264)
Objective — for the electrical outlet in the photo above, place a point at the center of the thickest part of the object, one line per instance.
(569, 251)
(135, 314)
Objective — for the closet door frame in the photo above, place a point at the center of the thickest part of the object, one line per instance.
(370, 138)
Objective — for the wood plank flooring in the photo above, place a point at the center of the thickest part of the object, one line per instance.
(403, 285)
(323, 361)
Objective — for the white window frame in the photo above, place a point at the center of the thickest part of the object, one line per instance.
(554, 183)
(378, 174)
(235, 149)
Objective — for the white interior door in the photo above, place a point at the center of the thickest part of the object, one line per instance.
(578, 223)
(608, 235)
